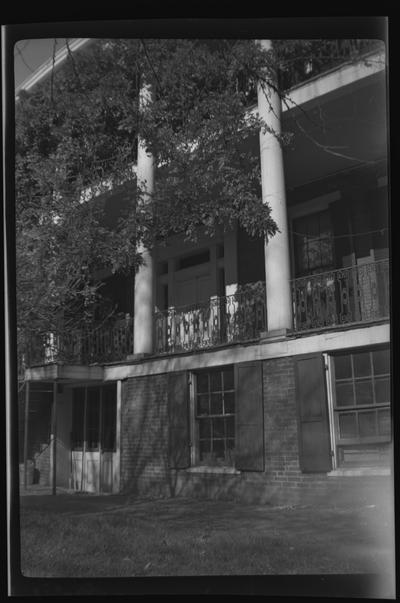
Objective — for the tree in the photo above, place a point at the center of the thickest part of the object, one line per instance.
(76, 139)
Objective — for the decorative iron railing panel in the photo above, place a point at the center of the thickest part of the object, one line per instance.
(105, 343)
(237, 317)
(349, 295)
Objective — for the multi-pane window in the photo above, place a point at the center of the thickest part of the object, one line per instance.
(215, 416)
(362, 398)
(94, 418)
(313, 243)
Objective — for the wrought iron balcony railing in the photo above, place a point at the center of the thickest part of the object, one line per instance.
(227, 319)
(346, 296)
(105, 343)
(321, 57)
(349, 295)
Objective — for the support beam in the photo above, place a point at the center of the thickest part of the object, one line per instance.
(26, 427)
(277, 259)
(144, 279)
(53, 439)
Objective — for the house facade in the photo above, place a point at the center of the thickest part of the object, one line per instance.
(244, 368)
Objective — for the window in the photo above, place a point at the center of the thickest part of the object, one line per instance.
(214, 417)
(94, 414)
(361, 405)
(313, 243)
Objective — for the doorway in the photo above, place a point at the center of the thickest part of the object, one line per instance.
(93, 439)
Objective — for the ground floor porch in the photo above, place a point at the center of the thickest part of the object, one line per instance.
(295, 419)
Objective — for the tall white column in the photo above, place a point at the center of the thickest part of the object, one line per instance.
(144, 278)
(277, 258)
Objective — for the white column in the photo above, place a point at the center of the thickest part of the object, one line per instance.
(144, 278)
(277, 259)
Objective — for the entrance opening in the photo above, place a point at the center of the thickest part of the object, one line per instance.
(93, 438)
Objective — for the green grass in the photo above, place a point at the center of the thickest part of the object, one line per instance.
(70, 536)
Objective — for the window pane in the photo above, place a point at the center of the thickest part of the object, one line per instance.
(366, 424)
(384, 422)
(382, 391)
(381, 360)
(229, 402)
(348, 425)
(362, 364)
(216, 382)
(343, 367)
(203, 405)
(202, 383)
(218, 428)
(364, 393)
(344, 394)
(228, 379)
(230, 427)
(216, 404)
(204, 448)
(204, 429)
(219, 449)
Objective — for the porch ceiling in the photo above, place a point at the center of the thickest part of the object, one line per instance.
(337, 133)
(336, 130)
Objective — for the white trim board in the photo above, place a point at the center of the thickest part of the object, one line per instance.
(321, 342)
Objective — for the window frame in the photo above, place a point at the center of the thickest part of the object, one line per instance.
(195, 460)
(361, 442)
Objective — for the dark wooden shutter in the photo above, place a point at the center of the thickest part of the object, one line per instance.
(314, 438)
(178, 412)
(249, 445)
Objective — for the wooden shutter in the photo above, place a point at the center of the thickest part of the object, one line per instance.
(314, 439)
(178, 406)
(249, 444)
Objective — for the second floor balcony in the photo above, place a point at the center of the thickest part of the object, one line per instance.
(352, 295)
(348, 296)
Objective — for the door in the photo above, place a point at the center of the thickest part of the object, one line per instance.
(93, 439)
(195, 320)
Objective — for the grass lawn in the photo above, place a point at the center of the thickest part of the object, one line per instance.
(114, 536)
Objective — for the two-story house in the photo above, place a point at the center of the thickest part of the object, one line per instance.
(245, 368)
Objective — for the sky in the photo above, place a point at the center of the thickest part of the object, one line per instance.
(31, 54)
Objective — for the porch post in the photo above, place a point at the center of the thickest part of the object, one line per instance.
(277, 259)
(26, 422)
(53, 439)
(144, 278)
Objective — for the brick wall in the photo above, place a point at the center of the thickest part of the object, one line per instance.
(144, 451)
(286, 481)
(144, 434)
